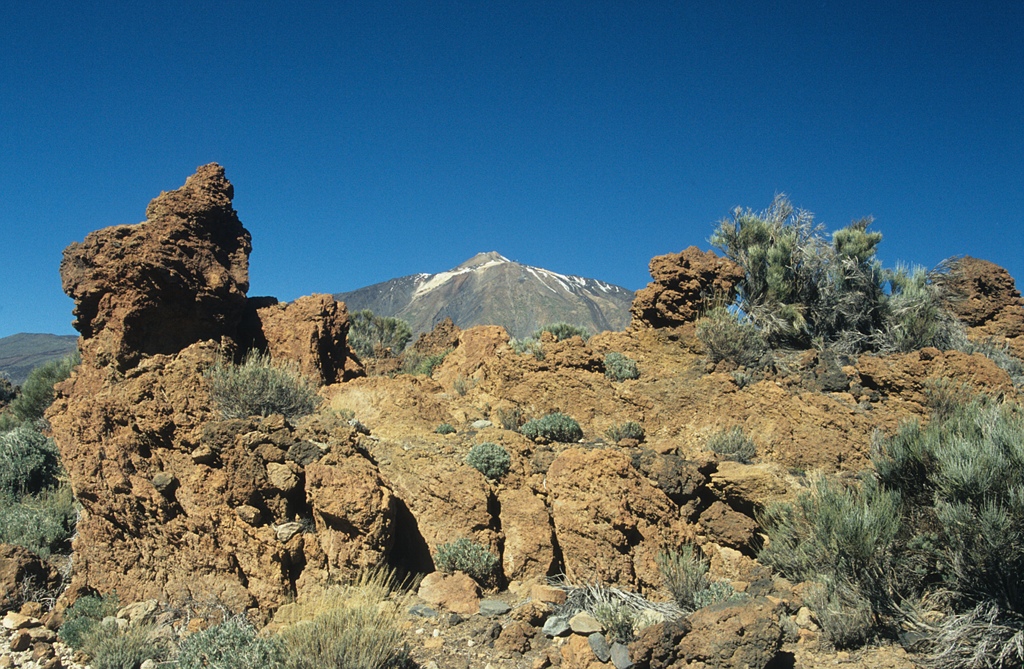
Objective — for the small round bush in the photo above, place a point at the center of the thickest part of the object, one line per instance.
(733, 444)
(260, 387)
(231, 645)
(445, 428)
(84, 616)
(468, 557)
(491, 460)
(618, 367)
(554, 426)
(728, 337)
(628, 430)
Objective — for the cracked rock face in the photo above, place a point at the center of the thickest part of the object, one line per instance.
(684, 283)
(155, 287)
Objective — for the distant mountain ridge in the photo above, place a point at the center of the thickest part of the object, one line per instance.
(490, 289)
(23, 352)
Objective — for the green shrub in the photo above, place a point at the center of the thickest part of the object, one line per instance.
(628, 430)
(232, 644)
(528, 346)
(834, 530)
(445, 428)
(726, 336)
(733, 444)
(37, 392)
(554, 427)
(846, 616)
(113, 648)
(618, 367)
(468, 557)
(563, 331)
(960, 479)
(351, 626)
(491, 460)
(373, 336)
(511, 418)
(43, 523)
(801, 289)
(260, 387)
(82, 617)
(29, 462)
(618, 618)
(8, 391)
(418, 364)
(915, 315)
(686, 576)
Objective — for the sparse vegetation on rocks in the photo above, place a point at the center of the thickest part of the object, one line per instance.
(628, 430)
(685, 573)
(467, 556)
(445, 428)
(490, 459)
(232, 644)
(727, 335)
(618, 367)
(554, 427)
(563, 331)
(733, 444)
(258, 386)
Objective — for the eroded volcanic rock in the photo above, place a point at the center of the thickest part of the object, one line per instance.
(988, 302)
(177, 278)
(684, 283)
(179, 505)
(311, 331)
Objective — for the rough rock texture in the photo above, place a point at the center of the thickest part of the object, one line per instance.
(22, 574)
(733, 635)
(988, 302)
(310, 331)
(684, 283)
(214, 531)
(175, 279)
(529, 536)
(177, 504)
(610, 522)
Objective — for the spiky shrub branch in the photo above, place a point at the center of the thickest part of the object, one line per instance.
(801, 289)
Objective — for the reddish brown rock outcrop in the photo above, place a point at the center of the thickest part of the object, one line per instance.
(987, 300)
(311, 331)
(610, 521)
(22, 574)
(684, 283)
(177, 278)
(178, 504)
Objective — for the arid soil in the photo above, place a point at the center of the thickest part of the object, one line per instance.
(180, 505)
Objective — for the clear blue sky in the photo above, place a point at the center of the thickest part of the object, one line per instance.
(368, 140)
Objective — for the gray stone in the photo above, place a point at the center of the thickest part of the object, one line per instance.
(493, 607)
(165, 483)
(286, 531)
(304, 452)
(481, 424)
(584, 623)
(422, 611)
(620, 656)
(600, 646)
(555, 626)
